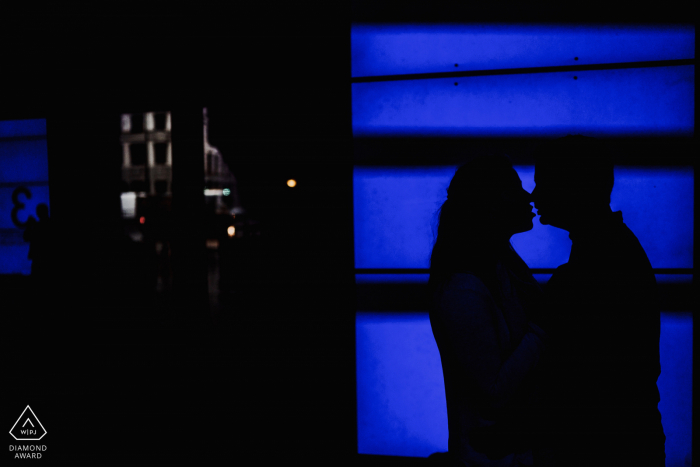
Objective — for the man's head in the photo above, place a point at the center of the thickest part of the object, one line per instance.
(573, 178)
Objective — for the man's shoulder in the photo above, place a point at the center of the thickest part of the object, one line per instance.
(632, 245)
(622, 256)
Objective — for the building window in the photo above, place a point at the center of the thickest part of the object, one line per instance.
(160, 121)
(138, 154)
(161, 150)
(137, 123)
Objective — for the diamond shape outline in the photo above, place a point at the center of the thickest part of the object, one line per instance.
(20, 418)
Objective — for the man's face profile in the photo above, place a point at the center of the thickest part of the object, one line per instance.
(573, 181)
(556, 196)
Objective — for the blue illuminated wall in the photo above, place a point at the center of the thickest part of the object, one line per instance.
(638, 101)
(23, 164)
(400, 391)
(403, 49)
(630, 101)
(401, 407)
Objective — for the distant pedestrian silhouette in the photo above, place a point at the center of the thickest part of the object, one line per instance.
(603, 318)
(38, 234)
(483, 296)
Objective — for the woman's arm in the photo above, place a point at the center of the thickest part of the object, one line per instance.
(468, 318)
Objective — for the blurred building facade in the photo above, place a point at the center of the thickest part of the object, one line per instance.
(147, 153)
(146, 167)
(221, 190)
(146, 186)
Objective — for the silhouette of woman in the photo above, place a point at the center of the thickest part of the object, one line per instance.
(484, 299)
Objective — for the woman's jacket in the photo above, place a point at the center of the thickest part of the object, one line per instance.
(489, 351)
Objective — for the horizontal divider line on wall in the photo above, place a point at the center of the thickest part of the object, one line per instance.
(532, 270)
(18, 184)
(517, 71)
(414, 297)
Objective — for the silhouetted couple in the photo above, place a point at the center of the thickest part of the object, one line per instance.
(560, 377)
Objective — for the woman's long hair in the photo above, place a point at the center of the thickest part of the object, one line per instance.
(467, 239)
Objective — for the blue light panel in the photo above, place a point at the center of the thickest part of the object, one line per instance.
(402, 49)
(657, 204)
(401, 408)
(674, 279)
(638, 101)
(22, 128)
(395, 216)
(394, 210)
(676, 385)
(23, 163)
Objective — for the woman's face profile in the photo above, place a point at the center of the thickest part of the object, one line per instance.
(516, 213)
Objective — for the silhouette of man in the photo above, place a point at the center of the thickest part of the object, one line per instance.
(604, 318)
(38, 234)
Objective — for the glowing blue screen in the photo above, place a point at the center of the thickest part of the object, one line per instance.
(23, 163)
(401, 49)
(396, 208)
(401, 408)
(637, 101)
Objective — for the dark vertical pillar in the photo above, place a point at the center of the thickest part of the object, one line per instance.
(84, 174)
(188, 244)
